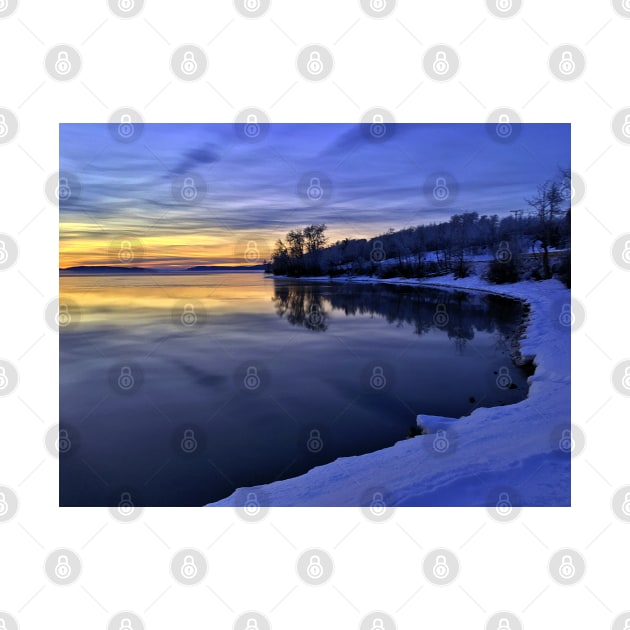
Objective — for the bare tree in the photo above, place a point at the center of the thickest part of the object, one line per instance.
(547, 206)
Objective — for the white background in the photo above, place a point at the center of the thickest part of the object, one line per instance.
(252, 63)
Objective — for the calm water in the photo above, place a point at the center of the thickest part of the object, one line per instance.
(179, 389)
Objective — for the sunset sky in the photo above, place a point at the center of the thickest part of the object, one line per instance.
(255, 189)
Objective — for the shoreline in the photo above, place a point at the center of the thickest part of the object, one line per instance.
(495, 442)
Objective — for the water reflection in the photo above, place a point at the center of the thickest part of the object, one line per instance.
(265, 367)
(457, 313)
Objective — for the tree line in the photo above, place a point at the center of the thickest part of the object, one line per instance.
(525, 239)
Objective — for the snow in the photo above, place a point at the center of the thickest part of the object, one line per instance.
(509, 449)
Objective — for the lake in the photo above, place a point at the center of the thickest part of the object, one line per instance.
(177, 389)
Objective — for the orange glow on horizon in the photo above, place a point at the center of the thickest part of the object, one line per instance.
(89, 244)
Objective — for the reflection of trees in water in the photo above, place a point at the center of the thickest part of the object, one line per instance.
(303, 305)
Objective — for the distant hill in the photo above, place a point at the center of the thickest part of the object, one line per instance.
(96, 269)
(111, 270)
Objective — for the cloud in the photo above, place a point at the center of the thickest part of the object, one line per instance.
(199, 156)
(254, 185)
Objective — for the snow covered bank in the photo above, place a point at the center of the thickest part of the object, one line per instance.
(518, 450)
